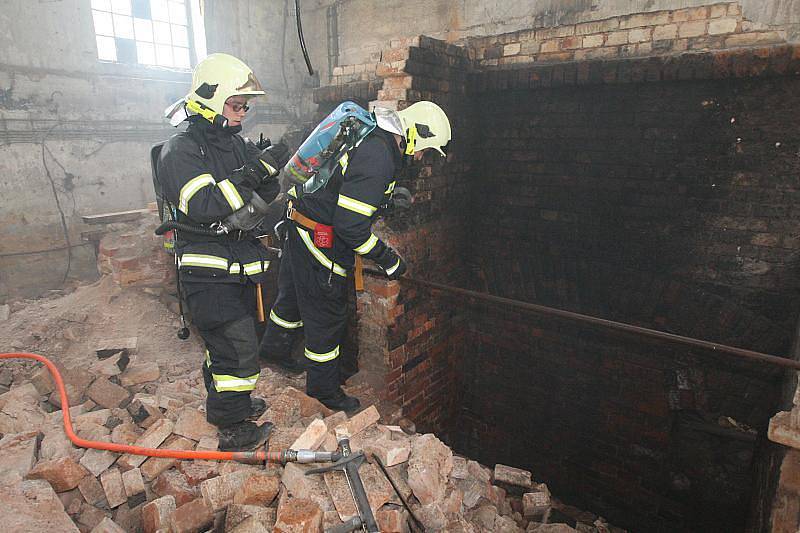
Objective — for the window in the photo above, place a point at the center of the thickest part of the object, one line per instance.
(149, 32)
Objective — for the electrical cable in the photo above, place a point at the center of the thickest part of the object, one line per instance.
(46, 251)
(302, 39)
(58, 202)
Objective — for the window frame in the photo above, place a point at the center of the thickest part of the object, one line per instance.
(190, 34)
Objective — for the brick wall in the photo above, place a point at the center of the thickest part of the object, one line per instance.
(657, 190)
(134, 256)
(713, 27)
(409, 342)
(672, 205)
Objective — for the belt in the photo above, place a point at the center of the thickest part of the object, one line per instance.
(310, 224)
(300, 218)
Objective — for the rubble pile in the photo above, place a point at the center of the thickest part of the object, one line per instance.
(120, 395)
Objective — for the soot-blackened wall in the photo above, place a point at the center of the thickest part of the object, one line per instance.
(672, 205)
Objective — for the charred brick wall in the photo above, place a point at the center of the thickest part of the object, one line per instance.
(423, 341)
(409, 343)
(661, 192)
(658, 191)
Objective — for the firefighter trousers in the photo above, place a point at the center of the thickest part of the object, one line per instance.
(223, 314)
(312, 300)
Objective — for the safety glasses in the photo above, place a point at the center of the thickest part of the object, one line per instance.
(236, 107)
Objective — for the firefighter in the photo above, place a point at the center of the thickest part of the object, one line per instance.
(311, 281)
(208, 172)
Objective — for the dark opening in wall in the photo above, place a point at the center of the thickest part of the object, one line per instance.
(670, 205)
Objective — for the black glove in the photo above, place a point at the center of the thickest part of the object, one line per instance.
(400, 200)
(277, 155)
(253, 174)
(391, 263)
(266, 165)
(268, 189)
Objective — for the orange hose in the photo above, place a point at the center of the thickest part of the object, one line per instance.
(257, 456)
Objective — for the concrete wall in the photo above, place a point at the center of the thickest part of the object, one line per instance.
(87, 124)
(264, 35)
(359, 42)
(90, 125)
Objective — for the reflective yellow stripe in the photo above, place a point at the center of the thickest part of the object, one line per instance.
(200, 260)
(256, 267)
(390, 189)
(292, 192)
(269, 167)
(231, 194)
(224, 383)
(343, 161)
(355, 205)
(208, 359)
(284, 323)
(390, 271)
(323, 357)
(367, 246)
(190, 189)
(316, 252)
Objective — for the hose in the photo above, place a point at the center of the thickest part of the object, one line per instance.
(251, 457)
(171, 225)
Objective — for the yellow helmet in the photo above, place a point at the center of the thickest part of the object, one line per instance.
(423, 125)
(215, 79)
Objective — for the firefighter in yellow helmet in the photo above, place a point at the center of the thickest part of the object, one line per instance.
(208, 173)
(311, 281)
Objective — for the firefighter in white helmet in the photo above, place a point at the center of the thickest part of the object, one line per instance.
(312, 279)
(207, 173)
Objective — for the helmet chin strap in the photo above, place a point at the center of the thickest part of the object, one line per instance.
(411, 140)
(207, 113)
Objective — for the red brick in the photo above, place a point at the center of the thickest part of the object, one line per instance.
(191, 517)
(219, 491)
(154, 466)
(192, 424)
(174, 483)
(107, 394)
(114, 488)
(156, 514)
(91, 490)
(63, 474)
(198, 471)
(258, 489)
(297, 515)
(134, 487)
(392, 520)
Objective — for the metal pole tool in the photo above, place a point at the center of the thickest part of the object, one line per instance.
(349, 464)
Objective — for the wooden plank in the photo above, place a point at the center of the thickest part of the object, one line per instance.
(109, 218)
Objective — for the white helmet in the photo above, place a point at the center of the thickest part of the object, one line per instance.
(423, 125)
(215, 79)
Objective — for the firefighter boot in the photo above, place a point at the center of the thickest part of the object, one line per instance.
(339, 401)
(243, 436)
(257, 407)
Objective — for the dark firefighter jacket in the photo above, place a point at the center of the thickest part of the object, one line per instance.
(199, 170)
(363, 181)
